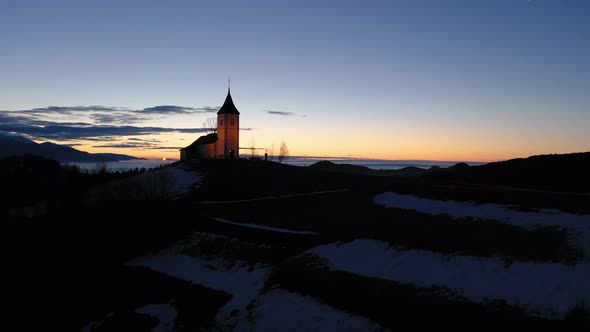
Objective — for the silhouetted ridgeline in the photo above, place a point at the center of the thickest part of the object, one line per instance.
(18, 146)
(409, 171)
(555, 172)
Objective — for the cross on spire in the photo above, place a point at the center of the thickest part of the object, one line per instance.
(228, 83)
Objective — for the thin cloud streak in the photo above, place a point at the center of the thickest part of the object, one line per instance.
(69, 132)
(122, 118)
(172, 109)
(69, 110)
(281, 113)
(136, 146)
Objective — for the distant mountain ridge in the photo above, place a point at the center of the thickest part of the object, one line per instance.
(553, 172)
(409, 171)
(11, 145)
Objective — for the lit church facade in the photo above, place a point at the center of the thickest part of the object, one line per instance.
(225, 143)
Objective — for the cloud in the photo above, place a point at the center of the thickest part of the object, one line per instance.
(142, 140)
(208, 109)
(118, 117)
(283, 113)
(280, 113)
(112, 115)
(136, 146)
(59, 132)
(69, 110)
(168, 147)
(107, 124)
(124, 145)
(172, 109)
(102, 139)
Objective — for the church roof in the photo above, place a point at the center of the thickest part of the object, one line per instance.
(206, 139)
(228, 106)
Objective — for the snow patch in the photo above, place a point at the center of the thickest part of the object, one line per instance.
(545, 289)
(577, 225)
(544, 217)
(239, 280)
(169, 182)
(280, 310)
(266, 228)
(163, 312)
(183, 180)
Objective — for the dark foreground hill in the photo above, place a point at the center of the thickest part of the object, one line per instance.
(18, 146)
(555, 172)
(248, 230)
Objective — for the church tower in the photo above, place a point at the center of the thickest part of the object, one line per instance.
(228, 129)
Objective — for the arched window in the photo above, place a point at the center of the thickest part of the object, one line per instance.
(221, 122)
(231, 122)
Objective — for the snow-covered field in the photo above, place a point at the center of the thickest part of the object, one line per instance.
(542, 289)
(546, 289)
(544, 217)
(249, 309)
(183, 180)
(236, 279)
(169, 182)
(280, 310)
(578, 226)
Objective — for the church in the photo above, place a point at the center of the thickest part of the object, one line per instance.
(224, 143)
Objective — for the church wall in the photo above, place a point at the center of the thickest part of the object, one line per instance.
(207, 151)
(228, 131)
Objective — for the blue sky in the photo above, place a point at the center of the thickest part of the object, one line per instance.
(460, 80)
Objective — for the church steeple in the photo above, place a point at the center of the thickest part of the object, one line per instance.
(228, 106)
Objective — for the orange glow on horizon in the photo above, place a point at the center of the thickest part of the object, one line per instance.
(401, 144)
(419, 154)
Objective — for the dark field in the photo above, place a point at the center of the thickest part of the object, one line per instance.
(67, 267)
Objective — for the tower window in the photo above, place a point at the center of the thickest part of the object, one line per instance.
(221, 122)
(231, 122)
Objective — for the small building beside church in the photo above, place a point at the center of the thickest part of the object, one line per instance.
(225, 143)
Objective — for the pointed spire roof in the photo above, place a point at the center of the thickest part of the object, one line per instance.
(228, 106)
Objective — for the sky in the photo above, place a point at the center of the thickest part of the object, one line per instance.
(421, 80)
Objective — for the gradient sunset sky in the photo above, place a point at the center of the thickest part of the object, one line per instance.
(437, 80)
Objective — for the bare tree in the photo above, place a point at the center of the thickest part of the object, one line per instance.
(283, 152)
(271, 152)
(210, 125)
